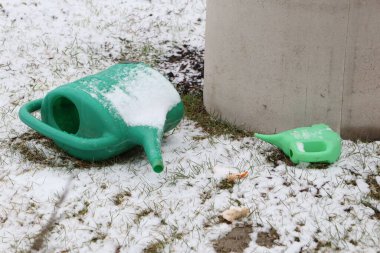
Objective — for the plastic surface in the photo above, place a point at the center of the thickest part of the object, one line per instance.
(84, 127)
(317, 143)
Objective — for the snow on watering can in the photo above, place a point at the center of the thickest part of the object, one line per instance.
(318, 143)
(103, 115)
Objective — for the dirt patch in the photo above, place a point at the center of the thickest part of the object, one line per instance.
(120, 197)
(226, 184)
(374, 187)
(267, 239)
(38, 149)
(318, 166)
(235, 241)
(351, 182)
(376, 215)
(277, 157)
(184, 67)
(155, 247)
(324, 246)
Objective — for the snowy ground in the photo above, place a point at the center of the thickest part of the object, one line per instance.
(53, 203)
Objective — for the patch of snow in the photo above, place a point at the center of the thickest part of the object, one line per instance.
(143, 98)
(300, 146)
(223, 171)
(4, 100)
(123, 205)
(45, 184)
(362, 185)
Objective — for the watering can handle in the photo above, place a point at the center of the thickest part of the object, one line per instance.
(57, 135)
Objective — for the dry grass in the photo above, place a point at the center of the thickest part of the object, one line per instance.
(154, 248)
(374, 187)
(196, 111)
(37, 149)
(120, 197)
(276, 157)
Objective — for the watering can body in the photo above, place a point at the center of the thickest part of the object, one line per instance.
(318, 143)
(103, 115)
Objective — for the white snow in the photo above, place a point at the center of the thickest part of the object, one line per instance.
(144, 98)
(221, 172)
(362, 185)
(305, 133)
(300, 146)
(123, 205)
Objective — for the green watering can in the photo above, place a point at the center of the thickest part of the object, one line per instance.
(318, 143)
(103, 115)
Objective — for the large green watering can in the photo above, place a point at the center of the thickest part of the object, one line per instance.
(103, 115)
(318, 143)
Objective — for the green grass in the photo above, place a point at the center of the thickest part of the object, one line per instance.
(214, 126)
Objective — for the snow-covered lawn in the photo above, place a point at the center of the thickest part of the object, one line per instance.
(53, 203)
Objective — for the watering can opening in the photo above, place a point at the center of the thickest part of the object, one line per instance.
(66, 115)
(314, 146)
(309, 147)
(158, 167)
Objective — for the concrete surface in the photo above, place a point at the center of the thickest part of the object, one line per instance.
(274, 65)
(361, 103)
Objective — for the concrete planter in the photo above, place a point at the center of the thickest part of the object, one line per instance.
(274, 65)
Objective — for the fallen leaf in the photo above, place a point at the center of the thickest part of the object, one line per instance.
(235, 213)
(236, 176)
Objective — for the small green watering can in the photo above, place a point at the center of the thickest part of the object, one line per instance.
(103, 115)
(318, 143)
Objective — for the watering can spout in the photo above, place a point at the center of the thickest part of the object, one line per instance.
(152, 148)
(271, 138)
